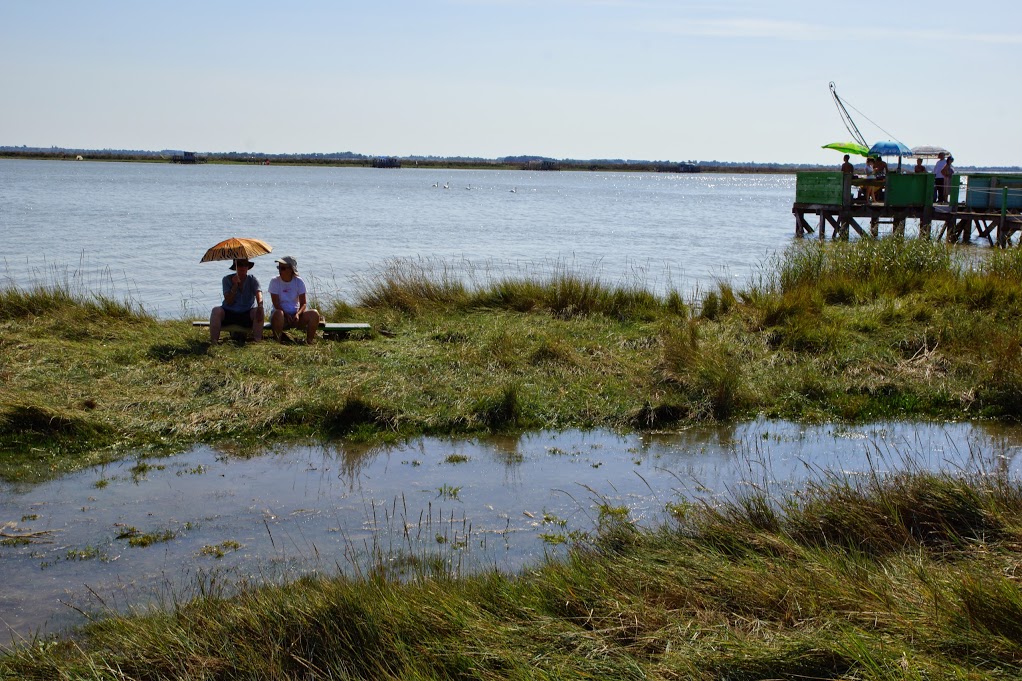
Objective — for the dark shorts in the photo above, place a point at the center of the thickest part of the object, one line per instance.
(232, 318)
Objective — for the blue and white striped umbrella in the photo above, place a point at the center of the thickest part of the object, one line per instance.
(889, 148)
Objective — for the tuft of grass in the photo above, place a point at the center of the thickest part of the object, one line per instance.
(709, 375)
(501, 410)
(139, 539)
(62, 301)
(350, 415)
(875, 266)
(416, 286)
(718, 303)
(411, 286)
(30, 420)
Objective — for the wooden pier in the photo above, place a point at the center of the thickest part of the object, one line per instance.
(990, 207)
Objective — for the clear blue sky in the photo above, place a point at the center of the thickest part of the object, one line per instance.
(729, 80)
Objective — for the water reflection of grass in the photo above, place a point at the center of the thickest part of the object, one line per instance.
(909, 575)
(446, 491)
(860, 331)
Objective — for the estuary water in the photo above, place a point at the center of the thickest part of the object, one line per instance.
(136, 231)
(495, 503)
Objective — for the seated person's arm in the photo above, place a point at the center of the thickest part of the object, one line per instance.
(275, 298)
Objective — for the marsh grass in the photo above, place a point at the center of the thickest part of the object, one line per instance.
(909, 575)
(414, 286)
(856, 331)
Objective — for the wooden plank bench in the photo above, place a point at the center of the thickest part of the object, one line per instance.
(328, 328)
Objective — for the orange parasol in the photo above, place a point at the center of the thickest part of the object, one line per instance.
(235, 248)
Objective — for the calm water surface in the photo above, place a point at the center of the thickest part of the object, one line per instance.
(496, 502)
(136, 230)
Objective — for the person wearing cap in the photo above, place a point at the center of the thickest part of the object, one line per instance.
(243, 302)
(290, 307)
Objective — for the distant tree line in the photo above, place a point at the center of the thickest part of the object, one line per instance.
(348, 158)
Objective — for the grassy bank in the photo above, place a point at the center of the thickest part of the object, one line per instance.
(858, 331)
(910, 577)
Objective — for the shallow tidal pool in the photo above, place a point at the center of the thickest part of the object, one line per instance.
(161, 530)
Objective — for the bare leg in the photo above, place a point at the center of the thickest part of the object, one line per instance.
(277, 324)
(216, 318)
(310, 318)
(257, 315)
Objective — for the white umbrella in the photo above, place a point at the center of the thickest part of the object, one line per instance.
(929, 151)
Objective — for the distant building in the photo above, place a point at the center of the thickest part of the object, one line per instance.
(390, 162)
(677, 168)
(187, 157)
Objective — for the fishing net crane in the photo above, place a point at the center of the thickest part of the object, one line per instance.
(846, 118)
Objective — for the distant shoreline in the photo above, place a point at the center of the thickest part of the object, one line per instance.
(534, 164)
(429, 164)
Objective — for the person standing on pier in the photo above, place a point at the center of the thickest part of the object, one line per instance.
(947, 172)
(920, 168)
(847, 167)
(939, 186)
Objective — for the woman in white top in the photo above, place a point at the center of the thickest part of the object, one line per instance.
(290, 307)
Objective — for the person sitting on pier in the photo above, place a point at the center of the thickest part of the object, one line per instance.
(920, 168)
(879, 168)
(847, 168)
(875, 186)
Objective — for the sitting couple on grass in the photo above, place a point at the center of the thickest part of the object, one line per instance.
(243, 302)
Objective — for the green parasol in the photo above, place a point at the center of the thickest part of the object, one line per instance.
(848, 148)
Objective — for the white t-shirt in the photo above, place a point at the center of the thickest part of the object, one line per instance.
(288, 291)
(939, 167)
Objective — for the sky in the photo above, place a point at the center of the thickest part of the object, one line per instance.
(725, 80)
